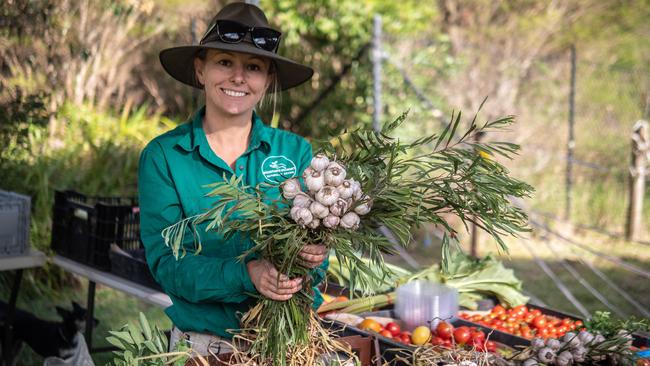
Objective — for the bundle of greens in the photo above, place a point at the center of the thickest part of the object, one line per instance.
(406, 187)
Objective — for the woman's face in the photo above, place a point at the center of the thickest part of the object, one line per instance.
(233, 82)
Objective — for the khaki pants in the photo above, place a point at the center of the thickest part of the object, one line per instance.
(201, 343)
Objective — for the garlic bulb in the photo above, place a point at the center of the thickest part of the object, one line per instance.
(579, 354)
(345, 189)
(302, 200)
(365, 205)
(327, 195)
(319, 210)
(290, 188)
(302, 216)
(320, 162)
(564, 359)
(339, 207)
(537, 343)
(334, 175)
(335, 164)
(350, 221)
(307, 172)
(571, 339)
(585, 337)
(331, 221)
(546, 355)
(315, 181)
(356, 189)
(553, 344)
(314, 224)
(531, 362)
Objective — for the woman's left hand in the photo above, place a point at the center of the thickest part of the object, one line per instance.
(313, 255)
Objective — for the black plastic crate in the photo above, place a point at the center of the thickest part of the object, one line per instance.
(84, 227)
(133, 266)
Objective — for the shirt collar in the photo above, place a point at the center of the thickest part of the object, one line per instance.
(260, 133)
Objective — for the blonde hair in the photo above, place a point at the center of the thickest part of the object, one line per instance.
(272, 92)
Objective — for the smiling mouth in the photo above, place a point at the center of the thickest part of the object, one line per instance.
(234, 93)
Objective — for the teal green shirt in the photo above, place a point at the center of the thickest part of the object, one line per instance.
(209, 290)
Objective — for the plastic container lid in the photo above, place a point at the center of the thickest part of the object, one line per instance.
(425, 303)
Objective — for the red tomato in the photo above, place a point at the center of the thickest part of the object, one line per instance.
(503, 317)
(478, 335)
(393, 328)
(539, 322)
(478, 344)
(521, 309)
(462, 335)
(444, 330)
(566, 321)
(437, 341)
(578, 323)
(386, 333)
(497, 323)
(536, 312)
(404, 337)
(447, 343)
(498, 309)
(490, 346)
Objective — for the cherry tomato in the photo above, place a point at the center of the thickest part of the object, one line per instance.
(462, 335)
(404, 337)
(447, 343)
(393, 328)
(490, 346)
(578, 323)
(437, 341)
(445, 330)
(539, 322)
(498, 310)
(521, 309)
(536, 312)
(478, 344)
(477, 335)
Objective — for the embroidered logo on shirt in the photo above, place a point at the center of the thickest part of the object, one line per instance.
(278, 168)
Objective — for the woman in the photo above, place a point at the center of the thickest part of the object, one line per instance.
(235, 64)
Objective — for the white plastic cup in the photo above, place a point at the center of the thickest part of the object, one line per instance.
(422, 302)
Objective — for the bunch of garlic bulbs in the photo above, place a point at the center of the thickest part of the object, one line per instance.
(331, 200)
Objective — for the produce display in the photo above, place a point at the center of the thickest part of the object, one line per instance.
(524, 322)
(358, 182)
(473, 278)
(445, 335)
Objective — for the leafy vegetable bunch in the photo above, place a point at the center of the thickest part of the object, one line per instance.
(394, 185)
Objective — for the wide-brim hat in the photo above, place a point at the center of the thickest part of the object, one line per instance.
(179, 61)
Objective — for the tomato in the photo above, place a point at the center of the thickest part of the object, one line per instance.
(521, 309)
(578, 323)
(490, 346)
(393, 328)
(437, 341)
(536, 312)
(498, 309)
(503, 317)
(539, 322)
(479, 345)
(477, 335)
(386, 333)
(462, 335)
(369, 324)
(447, 343)
(421, 335)
(497, 323)
(445, 330)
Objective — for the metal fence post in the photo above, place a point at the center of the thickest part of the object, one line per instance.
(571, 141)
(376, 73)
(638, 168)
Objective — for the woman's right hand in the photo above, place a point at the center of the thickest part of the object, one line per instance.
(265, 278)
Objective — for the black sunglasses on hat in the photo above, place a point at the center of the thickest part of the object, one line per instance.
(229, 31)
